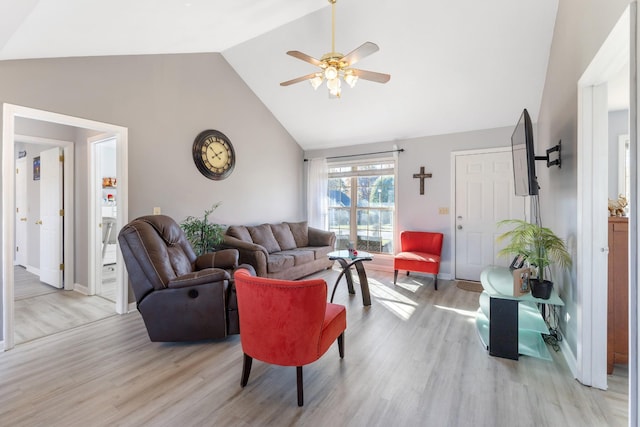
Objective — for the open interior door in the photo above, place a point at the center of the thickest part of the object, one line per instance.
(51, 217)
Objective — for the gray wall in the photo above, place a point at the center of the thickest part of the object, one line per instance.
(165, 101)
(420, 212)
(581, 28)
(618, 125)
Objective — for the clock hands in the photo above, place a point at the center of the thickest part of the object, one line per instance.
(217, 155)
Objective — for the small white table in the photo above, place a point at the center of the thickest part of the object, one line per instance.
(509, 325)
(346, 262)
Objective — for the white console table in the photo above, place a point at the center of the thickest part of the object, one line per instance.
(509, 325)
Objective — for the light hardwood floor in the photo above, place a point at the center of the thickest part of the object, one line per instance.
(411, 359)
(42, 310)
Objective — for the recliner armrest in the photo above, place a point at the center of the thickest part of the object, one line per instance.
(226, 258)
(208, 275)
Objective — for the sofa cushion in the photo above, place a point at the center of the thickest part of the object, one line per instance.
(263, 236)
(279, 262)
(240, 232)
(284, 236)
(300, 256)
(318, 252)
(300, 232)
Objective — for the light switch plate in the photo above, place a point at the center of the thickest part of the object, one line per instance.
(157, 211)
(443, 211)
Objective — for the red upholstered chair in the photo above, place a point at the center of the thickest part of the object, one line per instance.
(420, 252)
(287, 323)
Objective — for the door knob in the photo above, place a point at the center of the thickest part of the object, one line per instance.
(459, 227)
(39, 222)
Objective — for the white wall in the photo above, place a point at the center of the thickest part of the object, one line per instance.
(618, 125)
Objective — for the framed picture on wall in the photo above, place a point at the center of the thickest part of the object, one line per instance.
(36, 168)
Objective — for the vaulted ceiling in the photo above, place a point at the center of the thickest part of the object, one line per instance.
(455, 66)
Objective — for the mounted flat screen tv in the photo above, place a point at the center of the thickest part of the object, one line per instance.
(524, 158)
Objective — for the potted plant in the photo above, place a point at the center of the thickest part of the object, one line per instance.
(203, 235)
(540, 246)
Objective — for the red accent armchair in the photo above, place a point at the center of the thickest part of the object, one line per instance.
(419, 252)
(286, 323)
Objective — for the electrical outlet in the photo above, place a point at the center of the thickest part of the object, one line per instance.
(157, 211)
(443, 211)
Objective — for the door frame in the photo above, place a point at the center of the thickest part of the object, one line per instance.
(9, 114)
(95, 215)
(20, 257)
(452, 215)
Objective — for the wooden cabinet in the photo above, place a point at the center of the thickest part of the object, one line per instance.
(618, 295)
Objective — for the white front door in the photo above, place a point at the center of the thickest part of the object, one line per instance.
(51, 217)
(484, 196)
(21, 212)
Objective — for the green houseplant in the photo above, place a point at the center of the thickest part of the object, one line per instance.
(540, 246)
(203, 235)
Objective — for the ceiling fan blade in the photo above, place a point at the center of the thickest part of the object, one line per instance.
(371, 75)
(360, 52)
(305, 57)
(298, 80)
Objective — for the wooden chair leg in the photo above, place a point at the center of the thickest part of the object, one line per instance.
(299, 377)
(341, 345)
(395, 276)
(407, 273)
(246, 370)
(436, 281)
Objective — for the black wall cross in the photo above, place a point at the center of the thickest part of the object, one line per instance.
(422, 176)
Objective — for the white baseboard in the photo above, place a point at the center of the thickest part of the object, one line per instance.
(568, 355)
(132, 307)
(33, 270)
(83, 289)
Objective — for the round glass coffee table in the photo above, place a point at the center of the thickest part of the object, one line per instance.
(346, 262)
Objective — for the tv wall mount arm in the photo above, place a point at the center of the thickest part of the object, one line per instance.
(557, 161)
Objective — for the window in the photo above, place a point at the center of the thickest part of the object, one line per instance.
(362, 205)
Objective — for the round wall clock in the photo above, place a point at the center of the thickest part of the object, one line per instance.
(213, 154)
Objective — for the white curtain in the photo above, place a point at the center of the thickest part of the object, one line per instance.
(317, 176)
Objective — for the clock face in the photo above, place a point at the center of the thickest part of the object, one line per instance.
(213, 154)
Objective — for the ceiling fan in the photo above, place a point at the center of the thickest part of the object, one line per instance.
(335, 66)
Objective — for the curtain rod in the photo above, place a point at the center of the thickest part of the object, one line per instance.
(400, 150)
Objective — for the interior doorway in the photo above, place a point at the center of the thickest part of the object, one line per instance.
(104, 198)
(72, 268)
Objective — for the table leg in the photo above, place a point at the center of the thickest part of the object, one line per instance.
(364, 283)
(346, 271)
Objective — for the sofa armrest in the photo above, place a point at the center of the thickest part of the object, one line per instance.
(233, 243)
(226, 258)
(208, 275)
(249, 253)
(319, 237)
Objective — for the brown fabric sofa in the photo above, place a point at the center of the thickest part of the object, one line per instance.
(289, 250)
(181, 297)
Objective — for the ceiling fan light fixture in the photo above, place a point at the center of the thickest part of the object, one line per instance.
(335, 66)
(334, 87)
(316, 81)
(350, 79)
(331, 73)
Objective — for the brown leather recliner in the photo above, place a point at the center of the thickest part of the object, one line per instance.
(181, 297)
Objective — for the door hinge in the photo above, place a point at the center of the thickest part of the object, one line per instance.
(61, 212)
(62, 158)
(61, 267)
(17, 171)
(17, 248)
